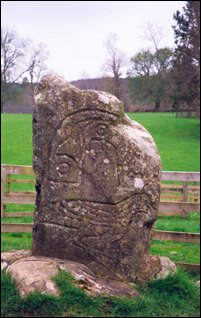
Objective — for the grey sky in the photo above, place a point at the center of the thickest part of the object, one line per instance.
(74, 31)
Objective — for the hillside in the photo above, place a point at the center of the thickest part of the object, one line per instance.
(22, 100)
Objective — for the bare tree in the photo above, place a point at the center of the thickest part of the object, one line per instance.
(37, 64)
(13, 52)
(152, 69)
(162, 56)
(115, 62)
(153, 34)
(18, 59)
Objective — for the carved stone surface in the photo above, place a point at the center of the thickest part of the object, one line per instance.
(98, 180)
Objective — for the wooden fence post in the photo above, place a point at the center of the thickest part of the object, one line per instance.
(2, 190)
(185, 198)
(9, 182)
(196, 194)
(185, 192)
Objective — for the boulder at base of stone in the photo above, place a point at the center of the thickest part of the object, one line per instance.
(35, 274)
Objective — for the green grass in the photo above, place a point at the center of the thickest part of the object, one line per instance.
(175, 296)
(177, 139)
(25, 219)
(177, 252)
(179, 224)
(16, 132)
(11, 207)
(16, 241)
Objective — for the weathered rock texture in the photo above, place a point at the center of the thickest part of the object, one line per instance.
(35, 274)
(98, 181)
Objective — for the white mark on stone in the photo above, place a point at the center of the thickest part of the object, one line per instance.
(114, 99)
(125, 168)
(37, 97)
(106, 161)
(70, 105)
(139, 183)
(103, 99)
(140, 224)
(3, 265)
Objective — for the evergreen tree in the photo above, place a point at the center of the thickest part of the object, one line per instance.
(187, 57)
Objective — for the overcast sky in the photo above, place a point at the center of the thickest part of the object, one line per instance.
(74, 31)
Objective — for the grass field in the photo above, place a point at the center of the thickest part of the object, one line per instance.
(175, 296)
(16, 139)
(178, 143)
(177, 139)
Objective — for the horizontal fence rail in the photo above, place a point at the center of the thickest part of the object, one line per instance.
(176, 236)
(189, 267)
(178, 208)
(180, 176)
(166, 175)
(175, 199)
(16, 227)
(165, 208)
(14, 169)
(157, 235)
(18, 198)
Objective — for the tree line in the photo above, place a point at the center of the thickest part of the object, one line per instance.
(164, 76)
(159, 75)
(20, 61)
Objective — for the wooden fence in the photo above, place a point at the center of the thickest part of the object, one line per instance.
(179, 195)
(176, 199)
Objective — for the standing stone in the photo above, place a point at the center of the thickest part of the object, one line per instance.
(97, 181)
